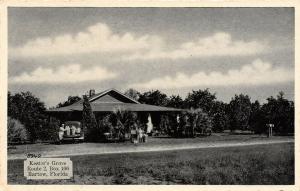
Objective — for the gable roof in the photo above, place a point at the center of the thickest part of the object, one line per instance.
(123, 102)
(103, 93)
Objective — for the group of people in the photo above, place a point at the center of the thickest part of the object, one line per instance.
(138, 136)
(68, 131)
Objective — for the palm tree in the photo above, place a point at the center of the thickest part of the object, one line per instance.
(122, 121)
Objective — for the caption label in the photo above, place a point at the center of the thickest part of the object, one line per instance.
(48, 168)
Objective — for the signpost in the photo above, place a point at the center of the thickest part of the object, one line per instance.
(270, 129)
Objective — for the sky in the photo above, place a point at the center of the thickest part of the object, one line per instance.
(58, 52)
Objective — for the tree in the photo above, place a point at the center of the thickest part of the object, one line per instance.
(123, 120)
(70, 101)
(29, 110)
(132, 93)
(240, 109)
(193, 122)
(175, 101)
(201, 99)
(164, 125)
(89, 121)
(257, 119)
(184, 124)
(280, 112)
(200, 122)
(154, 98)
(220, 119)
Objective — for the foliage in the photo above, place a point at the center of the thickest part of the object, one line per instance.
(132, 93)
(219, 115)
(203, 122)
(199, 121)
(280, 112)
(29, 110)
(122, 121)
(89, 121)
(117, 123)
(165, 125)
(239, 112)
(105, 124)
(183, 124)
(193, 122)
(125, 117)
(176, 102)
(70, 101)
(16, 132)
(257, 120)
(154, 98)
(48, 130)
(200, 99)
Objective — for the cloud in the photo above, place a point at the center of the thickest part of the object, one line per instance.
(95, 39)
(218, 44)
(64, 74)
(100, 39)
(257, 73)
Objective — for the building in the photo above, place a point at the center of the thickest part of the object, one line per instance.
(107, 102)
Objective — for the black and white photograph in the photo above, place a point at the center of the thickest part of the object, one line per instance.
(150, 95)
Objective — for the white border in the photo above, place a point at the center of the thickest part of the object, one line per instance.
(4, 4)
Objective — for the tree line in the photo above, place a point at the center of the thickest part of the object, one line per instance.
(204, 110)
(239, 114)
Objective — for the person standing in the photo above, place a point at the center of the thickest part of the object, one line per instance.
(73, 128)
(140, 135)
(67, 129)
(61, 131)
(78, 130)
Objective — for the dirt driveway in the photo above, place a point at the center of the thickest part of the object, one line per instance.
(153, 144)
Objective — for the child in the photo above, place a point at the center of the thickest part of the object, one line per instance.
(140, 135)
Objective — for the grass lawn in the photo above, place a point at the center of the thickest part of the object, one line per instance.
(260, 164)
(152, 142)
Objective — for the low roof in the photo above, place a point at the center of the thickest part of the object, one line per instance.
(111, 100)
(109, 107)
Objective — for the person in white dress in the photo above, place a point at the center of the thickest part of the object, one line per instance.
(78, 130)
(61, 131)
(73, 128)
(67, 129)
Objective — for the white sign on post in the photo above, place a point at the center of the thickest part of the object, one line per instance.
(48, 168)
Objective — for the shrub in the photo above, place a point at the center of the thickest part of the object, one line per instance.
(193, 122)
(203, 122)
(164, 125)
(45, 131)
(16, 132)
(105, 124)
(124, 118)
(168, 124)
(119, 122)
(48, 130)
